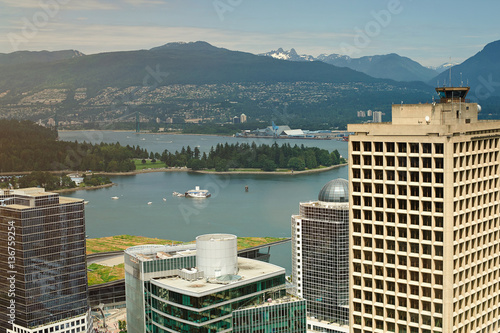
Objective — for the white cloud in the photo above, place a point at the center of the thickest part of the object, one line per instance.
(144, 2)
(64, 4)
(103, 38)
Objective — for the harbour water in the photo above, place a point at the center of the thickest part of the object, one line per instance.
(265, 210)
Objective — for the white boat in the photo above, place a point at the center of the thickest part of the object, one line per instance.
(164, 199)
(197, 193)
(177, 194)
(149, 203)
(115, 198)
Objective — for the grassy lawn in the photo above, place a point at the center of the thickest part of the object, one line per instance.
(101, 274)
(98, 274)
(148, 165)
(121, 242)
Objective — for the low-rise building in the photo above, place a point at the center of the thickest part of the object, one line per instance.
(196, 288)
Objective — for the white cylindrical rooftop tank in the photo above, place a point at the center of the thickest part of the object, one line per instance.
(217, 254)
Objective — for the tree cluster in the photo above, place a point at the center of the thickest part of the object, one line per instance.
(96, 180)
(46, 180)
(265, 157)
(26, 146)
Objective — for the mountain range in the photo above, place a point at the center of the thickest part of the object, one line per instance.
(173, 63)
(481, 72)
(388, 66)
(24, 57)
(355, 83)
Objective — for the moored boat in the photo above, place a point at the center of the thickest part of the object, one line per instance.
(197, 193)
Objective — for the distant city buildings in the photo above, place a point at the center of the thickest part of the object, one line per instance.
(320, 258)
(377, 116)
(284, 131)
(243, 118)
(44, 272)
(236, 120)
(424, 224)
(206, 288)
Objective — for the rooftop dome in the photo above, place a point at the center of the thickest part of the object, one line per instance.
(336, 190)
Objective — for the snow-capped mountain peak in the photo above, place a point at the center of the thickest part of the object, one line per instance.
(291, 55)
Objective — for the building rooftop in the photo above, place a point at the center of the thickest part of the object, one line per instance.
(31, 197)
(65, 200)
(30, 191)
(273, 301)
(248, 269)
(156, 252)
(323, 204)
(336, 190)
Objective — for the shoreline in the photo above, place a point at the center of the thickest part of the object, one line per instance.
(287, 173)
(157, 133)
(180, 169)
(86, 188)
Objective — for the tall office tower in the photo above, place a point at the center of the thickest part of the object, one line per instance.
(43, 276)
(424, 230)
(320, 255)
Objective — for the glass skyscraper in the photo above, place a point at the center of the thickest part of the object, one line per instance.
(44, 275)
(320, 255)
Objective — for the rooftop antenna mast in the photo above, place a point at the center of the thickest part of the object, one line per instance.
(450, 73)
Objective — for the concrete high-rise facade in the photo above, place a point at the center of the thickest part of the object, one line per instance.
(424, 220)
(44, 272)
(320, 254)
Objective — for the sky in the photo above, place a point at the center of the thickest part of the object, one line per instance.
(430, 32)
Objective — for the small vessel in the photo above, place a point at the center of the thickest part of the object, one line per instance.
(177, 194)
(197, 193)
(86, 202)
(164, 199)
(149, 203)
(115, 198)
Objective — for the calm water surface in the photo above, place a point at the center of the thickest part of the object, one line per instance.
(171, 142)
(263, 211)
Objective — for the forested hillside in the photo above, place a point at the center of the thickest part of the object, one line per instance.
(25, 146)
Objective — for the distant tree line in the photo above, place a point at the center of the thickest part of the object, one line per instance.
(50, 181)
(46, 180)
(265, 157)
(26, 146)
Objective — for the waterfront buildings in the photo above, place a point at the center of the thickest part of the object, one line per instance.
(207, 288)
(320, 254)
(424, 225)
(44, 273)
